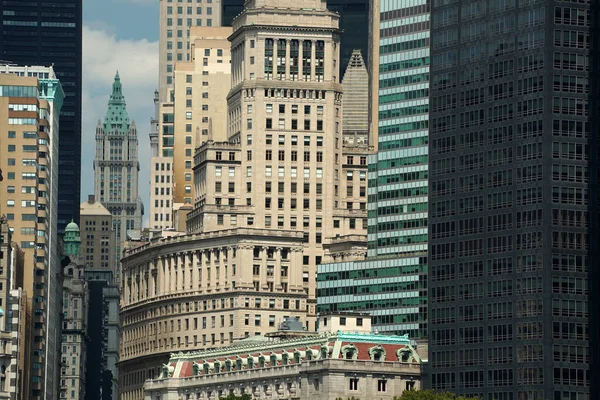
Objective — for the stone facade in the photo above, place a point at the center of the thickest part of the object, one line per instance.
(200, 105)
(30, 106)
(205, 291)
(116, 169)
(324, 366)
(75, 319)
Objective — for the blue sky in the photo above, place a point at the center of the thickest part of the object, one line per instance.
(119, 35)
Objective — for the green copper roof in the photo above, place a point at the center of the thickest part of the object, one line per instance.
(72, 227)
(116, 115)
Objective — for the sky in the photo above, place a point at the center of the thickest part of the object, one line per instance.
(119, 35)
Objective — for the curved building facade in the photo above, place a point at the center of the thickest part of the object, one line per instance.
(203, 291)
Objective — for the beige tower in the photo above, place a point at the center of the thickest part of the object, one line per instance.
(201, 88)
(268, 194)
(176, 19)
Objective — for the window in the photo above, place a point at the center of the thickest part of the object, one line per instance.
(353, 384)
(381, 385)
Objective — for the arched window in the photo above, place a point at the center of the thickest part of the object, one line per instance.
(324, 352)
(349, 352)
(377, 353)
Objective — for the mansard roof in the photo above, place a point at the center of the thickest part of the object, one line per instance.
(272, 353)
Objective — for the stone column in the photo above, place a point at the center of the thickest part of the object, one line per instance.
(211, 284)
(194, 259)
(203, 276)
(295, 271)
(277, 270)
(288, 59)
(313, 60)
(173, 273)
(263, 267)
(246, 264)
(300, 59)
(222, 276)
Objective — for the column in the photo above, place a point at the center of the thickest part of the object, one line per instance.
(295, 272)
(194, 259)
(203, 275)
(313, 58)
(288, 59)
(180, 264)
(173, 273)
(275, 47)
(245, 264)
(300, 59)
(211, 275)
(263, 267)
(222, 277)
(277, 271)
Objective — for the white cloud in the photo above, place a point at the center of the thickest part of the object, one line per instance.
(137, 63)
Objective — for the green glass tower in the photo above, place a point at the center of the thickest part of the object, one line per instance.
(391, 282)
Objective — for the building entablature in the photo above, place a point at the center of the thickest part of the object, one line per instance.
(214, 240)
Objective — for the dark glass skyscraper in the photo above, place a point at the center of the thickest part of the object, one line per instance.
(354, 21)
(513, 237)
(48, 33)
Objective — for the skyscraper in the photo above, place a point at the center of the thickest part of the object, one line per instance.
(391, 282)
(103, 333)
(513, 199)
(116, 169)
(30, 103)
(175, 21)
(49, 33)
(267, 198)
(354, 21)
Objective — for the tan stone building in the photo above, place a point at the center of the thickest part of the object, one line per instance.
(97, 236)
(13, 331)
(30, 103)
(176, 19)
(75, 318)
(201, 88)
(267, 196)
(326, 366)
(162, 140)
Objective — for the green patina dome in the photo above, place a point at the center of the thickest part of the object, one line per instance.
(72, 227)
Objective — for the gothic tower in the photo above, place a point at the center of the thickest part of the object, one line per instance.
(116, 169)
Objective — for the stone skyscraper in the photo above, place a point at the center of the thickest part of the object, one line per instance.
(116, 169)
(268, 197)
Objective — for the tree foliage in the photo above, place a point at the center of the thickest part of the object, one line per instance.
(430, 395)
